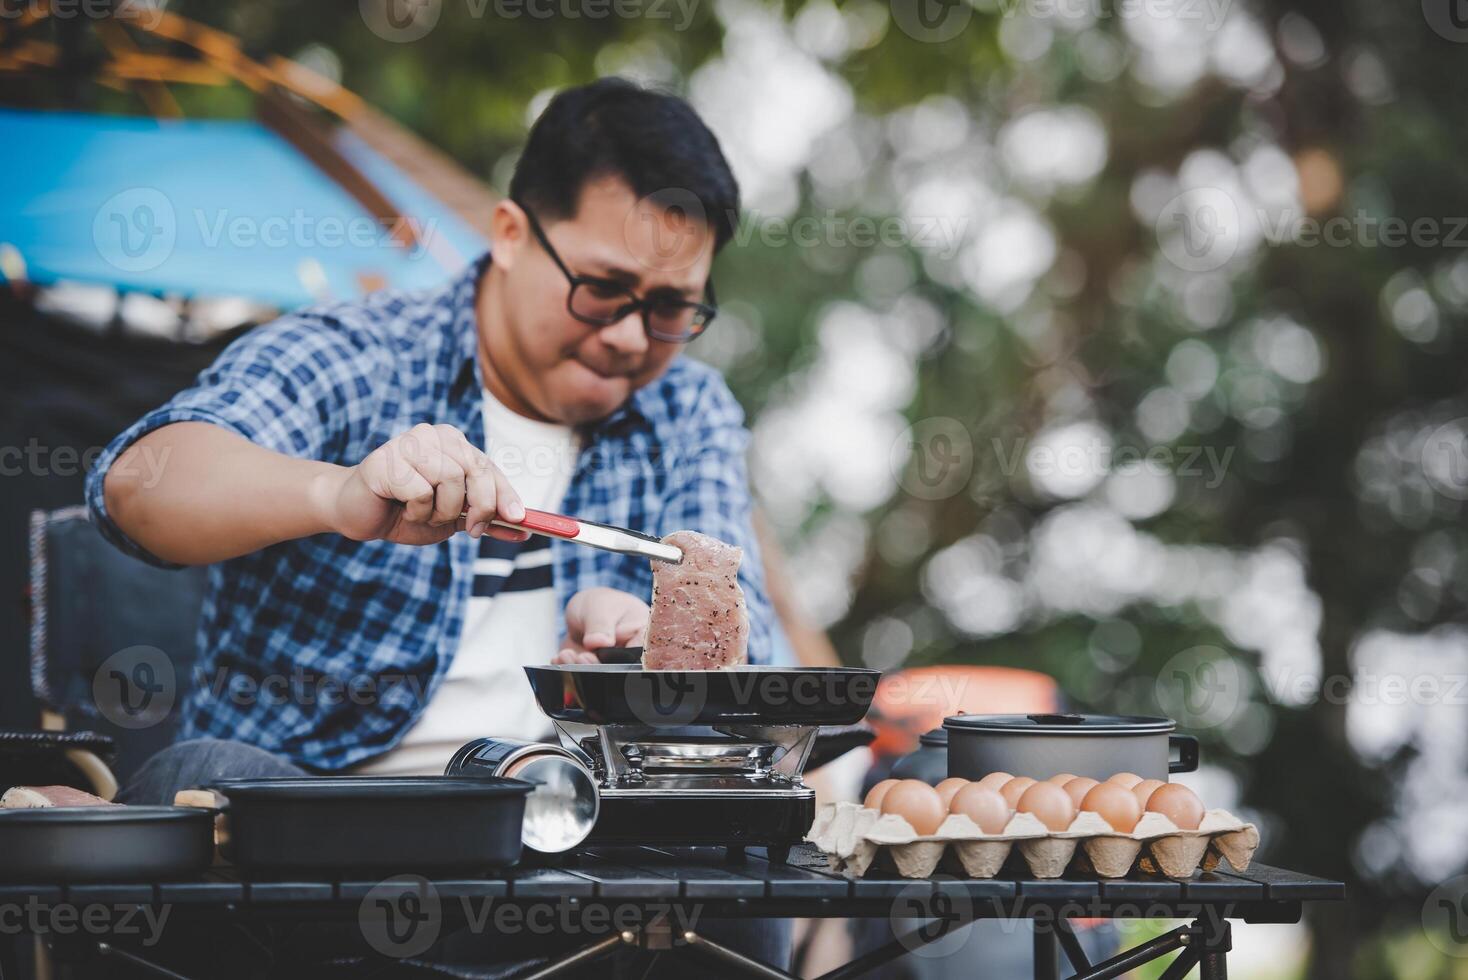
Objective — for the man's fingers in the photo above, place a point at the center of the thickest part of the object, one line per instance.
(601, 617)
(451, 460)
(416, 493)
(631, 625)
(481, 492)
(488, 495)
(600, 630)
(508, 501)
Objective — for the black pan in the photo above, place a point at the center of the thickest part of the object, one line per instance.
(375, 823)
(105, 843)
(626, 694)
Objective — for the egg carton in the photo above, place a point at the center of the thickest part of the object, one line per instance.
(856, 839)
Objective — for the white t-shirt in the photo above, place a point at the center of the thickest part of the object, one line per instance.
(511, 618)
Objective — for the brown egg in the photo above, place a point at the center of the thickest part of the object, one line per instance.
(1127, 779)
(875, 794)
(916, 802)
(995, 780)
(1077, 789)
(1143, 790)
(1061, 778)
(948, 787)
(1115, 804)
(1177, 803)
(1012, 790)
(1050, 803)
(983, 806)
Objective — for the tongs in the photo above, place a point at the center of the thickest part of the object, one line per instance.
(603, 536)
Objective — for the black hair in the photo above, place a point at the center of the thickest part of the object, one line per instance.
(613, 127)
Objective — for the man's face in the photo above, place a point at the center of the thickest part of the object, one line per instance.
(566, 370)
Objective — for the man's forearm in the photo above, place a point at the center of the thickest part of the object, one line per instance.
(196, 493)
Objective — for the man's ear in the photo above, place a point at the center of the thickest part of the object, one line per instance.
(509, 229)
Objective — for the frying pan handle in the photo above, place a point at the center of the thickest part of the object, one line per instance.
(1187, 754)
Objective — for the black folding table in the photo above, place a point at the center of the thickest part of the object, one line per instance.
(655, 891)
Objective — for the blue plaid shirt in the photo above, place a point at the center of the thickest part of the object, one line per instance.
(326, 649)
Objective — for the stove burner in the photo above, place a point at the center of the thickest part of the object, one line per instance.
(733, 785)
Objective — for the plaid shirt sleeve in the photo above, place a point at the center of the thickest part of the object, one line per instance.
(708, 491)
(299, 386)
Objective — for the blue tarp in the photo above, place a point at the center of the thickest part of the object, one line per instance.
(206, 208)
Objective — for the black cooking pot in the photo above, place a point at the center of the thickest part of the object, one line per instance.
(929, 762)
(1041, 746)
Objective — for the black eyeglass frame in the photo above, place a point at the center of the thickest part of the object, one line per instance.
(704, 313)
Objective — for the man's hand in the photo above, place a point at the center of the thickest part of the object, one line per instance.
(413, 489)
(601, 617)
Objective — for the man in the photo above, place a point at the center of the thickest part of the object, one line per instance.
(341, 469)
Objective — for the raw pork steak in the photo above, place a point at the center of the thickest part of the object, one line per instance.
(698, 617)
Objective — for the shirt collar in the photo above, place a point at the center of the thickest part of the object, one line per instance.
(463, 324)
(463, 294)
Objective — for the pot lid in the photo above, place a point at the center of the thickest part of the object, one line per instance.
(1059, 724)
(937, 738)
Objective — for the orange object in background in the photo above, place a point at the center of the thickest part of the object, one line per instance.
(910, 702)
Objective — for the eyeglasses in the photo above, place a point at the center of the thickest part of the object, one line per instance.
(603, 302)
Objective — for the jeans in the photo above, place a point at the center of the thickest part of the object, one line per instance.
(228, 951)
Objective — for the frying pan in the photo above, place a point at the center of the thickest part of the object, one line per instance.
(105, 843)
(627, 694)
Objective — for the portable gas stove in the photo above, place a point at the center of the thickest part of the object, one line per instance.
(700, 757)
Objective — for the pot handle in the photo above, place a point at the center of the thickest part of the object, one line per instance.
(1187, 753)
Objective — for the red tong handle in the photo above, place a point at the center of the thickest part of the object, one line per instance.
(544, 522)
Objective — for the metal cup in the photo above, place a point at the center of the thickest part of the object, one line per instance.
(563, 807)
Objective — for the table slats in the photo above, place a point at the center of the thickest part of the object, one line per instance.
(703, 874)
